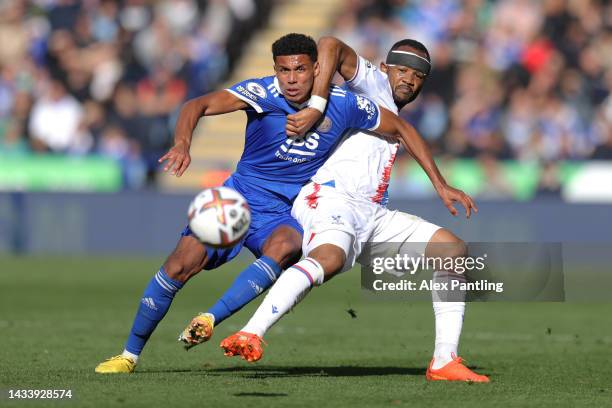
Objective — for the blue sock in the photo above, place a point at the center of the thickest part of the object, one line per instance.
(255, 279)
(154, 304)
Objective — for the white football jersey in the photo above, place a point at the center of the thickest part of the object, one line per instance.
(361, 165)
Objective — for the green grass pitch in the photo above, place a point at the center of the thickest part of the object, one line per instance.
(61, 316)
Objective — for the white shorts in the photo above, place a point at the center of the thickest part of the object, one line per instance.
(320, 208)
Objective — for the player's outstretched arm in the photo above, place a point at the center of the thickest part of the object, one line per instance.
(391, 124)
(215, 103)
(334, 56)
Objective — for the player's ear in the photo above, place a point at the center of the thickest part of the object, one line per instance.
(384, 67)
(316, 68)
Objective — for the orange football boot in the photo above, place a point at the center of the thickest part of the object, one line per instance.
(246, 345)
(454, 371)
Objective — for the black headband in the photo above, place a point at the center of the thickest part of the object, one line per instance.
(409, 59)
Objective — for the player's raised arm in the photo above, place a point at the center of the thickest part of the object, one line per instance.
(391, 124)
(214, 103)
(334, 56)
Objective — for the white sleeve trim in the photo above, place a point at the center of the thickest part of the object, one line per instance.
(251, 102)
(378, 118)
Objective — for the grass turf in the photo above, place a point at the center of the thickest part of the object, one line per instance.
(59, 317)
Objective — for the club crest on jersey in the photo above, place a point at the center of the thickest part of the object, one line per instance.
(366, 105)
(325, 125)
(256, 89)
(337, 220)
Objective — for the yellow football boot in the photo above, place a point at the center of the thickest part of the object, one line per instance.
(199, 330)
(117, 364)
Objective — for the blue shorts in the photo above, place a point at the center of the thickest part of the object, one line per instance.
(268, 212)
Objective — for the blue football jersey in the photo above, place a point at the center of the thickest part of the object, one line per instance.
(283, 165)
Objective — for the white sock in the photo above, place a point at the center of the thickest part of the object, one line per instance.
(130, 355)
(290, 288)
(449, 322)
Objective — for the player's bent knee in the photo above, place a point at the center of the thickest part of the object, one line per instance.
(187, 260)
(283, 252)
(457, 249)
(445, 244)
(330, 257)
(284, 246)
(174, 269)
(179, 270)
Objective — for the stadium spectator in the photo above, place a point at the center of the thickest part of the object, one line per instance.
(67, 133)
(14, 36)
(115, 144)
(525, 80)
(519, 78)
(121, 65)
(12, 138)
(603, 129)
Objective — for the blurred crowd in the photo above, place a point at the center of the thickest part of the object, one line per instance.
(521, 79)
(107, 77)
(512, 79)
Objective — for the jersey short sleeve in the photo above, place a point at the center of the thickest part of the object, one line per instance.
(255, 93)
(362, 112)
(372, 82)
(367, 76)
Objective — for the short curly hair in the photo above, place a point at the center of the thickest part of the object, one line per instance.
(295, 44)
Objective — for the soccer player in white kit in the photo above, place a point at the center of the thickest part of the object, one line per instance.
(344, 205)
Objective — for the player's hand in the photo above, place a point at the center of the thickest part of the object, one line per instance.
(178, 159)
(450, 195)
(300, 122)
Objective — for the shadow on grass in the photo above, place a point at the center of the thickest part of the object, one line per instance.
(260, 394)
(262, 371)
(315, 371)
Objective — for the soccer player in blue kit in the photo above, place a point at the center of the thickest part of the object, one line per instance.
(270, 174)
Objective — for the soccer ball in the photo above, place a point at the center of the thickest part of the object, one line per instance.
(219, 217)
